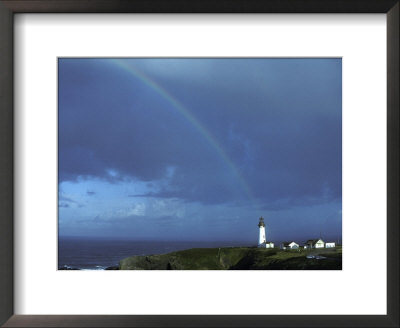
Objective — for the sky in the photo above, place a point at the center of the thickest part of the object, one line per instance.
(199, 148)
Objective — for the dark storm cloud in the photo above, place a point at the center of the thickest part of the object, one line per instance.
(279, 122)
(286, 128)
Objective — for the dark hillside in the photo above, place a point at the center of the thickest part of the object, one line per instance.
(237, 258)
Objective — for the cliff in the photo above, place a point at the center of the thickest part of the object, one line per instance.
(236, 258)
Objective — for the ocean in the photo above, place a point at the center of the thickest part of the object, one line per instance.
(98, 254)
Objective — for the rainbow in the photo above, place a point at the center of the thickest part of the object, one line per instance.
(188, 116)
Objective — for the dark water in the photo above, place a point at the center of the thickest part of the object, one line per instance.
(97, 254)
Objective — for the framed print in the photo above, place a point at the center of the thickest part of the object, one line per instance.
(183, 213)
(194, 164)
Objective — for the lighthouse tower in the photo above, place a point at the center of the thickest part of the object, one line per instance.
(261, 239)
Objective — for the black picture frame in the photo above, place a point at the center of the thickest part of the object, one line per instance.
(10, 7)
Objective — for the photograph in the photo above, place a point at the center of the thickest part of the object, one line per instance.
(197, 163)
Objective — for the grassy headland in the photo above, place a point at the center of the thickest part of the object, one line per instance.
(237, 258)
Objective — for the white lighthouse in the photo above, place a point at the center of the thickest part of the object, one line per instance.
(262, 240)
(261, 226)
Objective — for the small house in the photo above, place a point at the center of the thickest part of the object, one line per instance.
(315, 243)
(267, 244)
(289, 245)
(330, 245)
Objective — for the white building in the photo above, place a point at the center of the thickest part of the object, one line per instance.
(330, 245)
(290, 245)
(268, 244)
(261, 235)
(315, 243)
(262, 241)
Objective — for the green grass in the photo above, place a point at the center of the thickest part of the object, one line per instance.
(236, 258)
